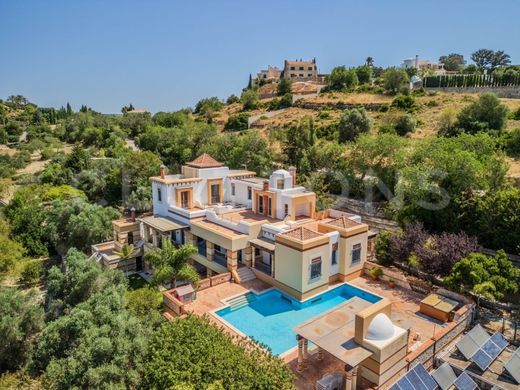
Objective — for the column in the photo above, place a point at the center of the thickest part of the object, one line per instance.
(232, 260)
(354, 378)
(272, 265)
(248, 258)
(348, 380)
(155, 239)
(320, 353)
(209, 272)
(209, 250)
(299, 367)
(305, 354)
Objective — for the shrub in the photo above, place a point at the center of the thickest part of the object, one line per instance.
(447, 122)
(405, 124)
(511, 142)
(476, 269)
(383, 246)
(284, 87)
(208, 105)
(404, 102)
(515, 115)
(31, 273)
(249, 99)
(232, 99)
(237, 122)
(487, 113)
(342, 78)
(352, 123)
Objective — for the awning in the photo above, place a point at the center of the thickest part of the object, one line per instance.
(333, 331)
(263, 243)
(162, 224)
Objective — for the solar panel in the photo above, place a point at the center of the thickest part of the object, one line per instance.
(472, 341)
(464, 382)
(489, 351)
(416, 379)
(513, 366)
(444, 376)
(499, 340)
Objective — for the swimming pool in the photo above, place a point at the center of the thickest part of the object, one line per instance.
(269, 317)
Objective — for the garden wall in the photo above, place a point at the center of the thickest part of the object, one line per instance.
(501, 92)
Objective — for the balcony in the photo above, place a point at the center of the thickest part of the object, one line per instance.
(220, 258)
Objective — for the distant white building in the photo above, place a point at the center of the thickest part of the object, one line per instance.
(423, 65)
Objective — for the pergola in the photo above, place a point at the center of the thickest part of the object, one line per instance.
(333, 332)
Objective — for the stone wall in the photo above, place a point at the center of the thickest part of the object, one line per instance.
(502, 92)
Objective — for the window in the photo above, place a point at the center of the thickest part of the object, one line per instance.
(334, 259)
(130, 238)
(248, 193)
(293, 68)
(309, 75)
(159, 195)
(215, 193)
(356, 253)
(301, 67)
(315, 268)
(279, 184)
(269, 206)
(233, 189)
(184, 199)
(301, 74)
(309, 68)
(286, 209)
(260, 204)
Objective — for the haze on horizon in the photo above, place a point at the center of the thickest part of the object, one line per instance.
(165, 55)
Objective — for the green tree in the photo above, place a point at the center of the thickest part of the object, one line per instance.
(364, 74)
(341, 78)
(77, 223)
(405, 124)
(77, 281)
(486, 114)
(477, 268)
(194, 341)
(171, 264)
(369, 61)
(452, 62)
(145, 303)
(298, 139)
(12, 252)
(284, 86)
(97, 345)
(352, 123)
(395, 79)
(237, 122)
(21, 320)
(249, 99)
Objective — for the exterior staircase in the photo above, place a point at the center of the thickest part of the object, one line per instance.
(241, 301)
(245, 274)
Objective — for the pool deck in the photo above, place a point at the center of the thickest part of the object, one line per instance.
(405, 313)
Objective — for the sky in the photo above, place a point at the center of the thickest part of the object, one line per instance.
(164, 55)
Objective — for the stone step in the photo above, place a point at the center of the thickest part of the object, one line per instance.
(241, 301)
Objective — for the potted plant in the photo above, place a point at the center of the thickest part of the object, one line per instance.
(391, 282)
(376, 273)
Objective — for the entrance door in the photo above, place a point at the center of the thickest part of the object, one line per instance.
(139, 263)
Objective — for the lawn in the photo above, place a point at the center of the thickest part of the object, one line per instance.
(136, 281)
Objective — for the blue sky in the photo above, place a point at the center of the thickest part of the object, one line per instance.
(165, 55)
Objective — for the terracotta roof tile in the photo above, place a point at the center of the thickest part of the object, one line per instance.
(343, 222)
(301, 233)
(204, 161)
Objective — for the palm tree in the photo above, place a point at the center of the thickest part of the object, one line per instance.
(171, 264)
(127, 252)
(483, 290)
(369, 61)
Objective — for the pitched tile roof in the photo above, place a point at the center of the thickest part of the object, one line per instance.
(343, 222)
(204, 161)
(301, 233)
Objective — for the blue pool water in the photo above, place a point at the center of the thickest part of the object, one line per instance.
(271, 317)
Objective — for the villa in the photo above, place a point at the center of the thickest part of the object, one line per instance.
(265, 228)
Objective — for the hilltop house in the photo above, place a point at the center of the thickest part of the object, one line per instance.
(301, 70)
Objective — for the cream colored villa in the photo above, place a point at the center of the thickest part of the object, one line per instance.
(266, 228)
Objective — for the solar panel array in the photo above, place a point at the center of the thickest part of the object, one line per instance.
(513, 365)
(489, 351)
(444, 376)
(472, 341)
(416, 379)
(464, 382)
